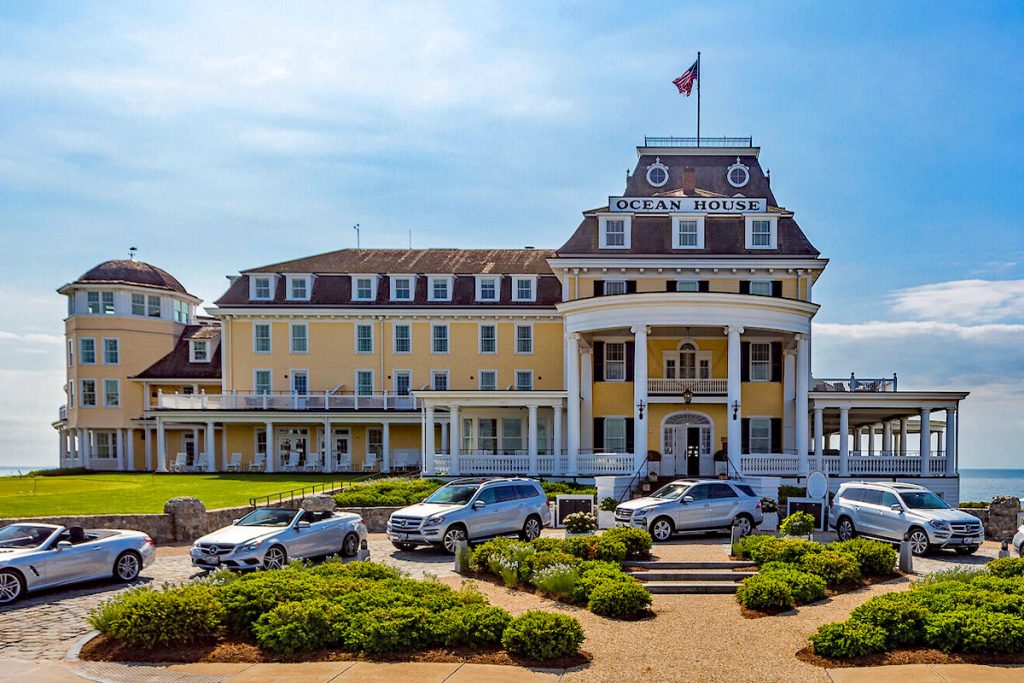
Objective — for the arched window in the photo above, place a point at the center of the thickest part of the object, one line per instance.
(687, 361)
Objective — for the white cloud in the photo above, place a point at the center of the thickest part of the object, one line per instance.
(971, 301)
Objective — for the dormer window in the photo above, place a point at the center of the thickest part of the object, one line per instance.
(524, 288)
(402, 287)
(688, 232)
(299, 287)
(487, 288)
(440, 288)
(761, 232)
(614, 231)
(261, 288)
(364, 288)
(199, 351)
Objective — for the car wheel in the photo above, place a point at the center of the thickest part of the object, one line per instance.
(404, 546)
(127, 566)
(531, 528)
(970, 550)
(845, 530)
(918, 541)
(451, 538)
(12, 586)
(745, 524)
(276, 558)
(350, 546)
(661, 529)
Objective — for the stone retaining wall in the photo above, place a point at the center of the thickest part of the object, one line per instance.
(1000, 519)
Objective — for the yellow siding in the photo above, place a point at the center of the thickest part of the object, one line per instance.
(763, 399)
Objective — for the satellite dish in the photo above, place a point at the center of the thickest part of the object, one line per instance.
(817, 485)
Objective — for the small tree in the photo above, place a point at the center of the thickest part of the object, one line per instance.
(797, 524)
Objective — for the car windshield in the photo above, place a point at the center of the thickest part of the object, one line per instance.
(671, 491)
(454, 495)
(23, 535)
(268, 517)
(923, 500)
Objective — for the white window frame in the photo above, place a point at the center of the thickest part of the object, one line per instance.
(676, 231)
(292, 374)
(761, 283)
(193, 344)
(447, 339)
(106, 395)
(306, 280)
(615, 281)
(89, 303)
(766, 364)
(253, 278)
(256, 384)
(82, 393)
(394, 338)
(515, 379)
(105, 445)
(71, 395)
(615, 419)
(181, 311)
(394, 381)
(71, 353)
(447, 379)
(356, 338)
(270, 338)
(117, 350)
(81, 351)
(517, 279)
(627, 228)
(449, 286)
(104, 296)
(291, 337)
(394, 279)
(759, 420)
(373, 380)
(480, 338)
(480, 279)
(480, 379)
(516, 351)
(773, 231)
(355, 287)
(606, 362)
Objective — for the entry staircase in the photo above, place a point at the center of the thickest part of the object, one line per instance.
(696, 577)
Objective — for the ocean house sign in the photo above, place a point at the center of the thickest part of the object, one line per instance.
(686, 205)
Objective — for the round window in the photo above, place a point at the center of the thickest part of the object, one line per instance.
(657, 173)
(738, 175)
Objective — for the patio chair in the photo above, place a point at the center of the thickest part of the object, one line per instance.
(343, 462)
(370, 462)
(235, 463)
(292, 463)
(258, 463)
(312, 463)
(180, 462)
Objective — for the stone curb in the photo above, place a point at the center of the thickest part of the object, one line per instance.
(74, 652)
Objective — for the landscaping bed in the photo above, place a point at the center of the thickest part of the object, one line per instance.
(401, 491)
(330, 611)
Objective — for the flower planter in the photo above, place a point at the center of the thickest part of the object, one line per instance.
(771, 522)
(605, 519)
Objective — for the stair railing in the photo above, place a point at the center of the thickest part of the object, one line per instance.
(633, 480)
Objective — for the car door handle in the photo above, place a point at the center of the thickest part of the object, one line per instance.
(95, 549)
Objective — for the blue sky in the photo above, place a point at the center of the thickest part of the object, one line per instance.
(219, 136)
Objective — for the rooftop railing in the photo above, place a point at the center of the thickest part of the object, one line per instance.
(254, 400)
(654, 141)
(854, 383)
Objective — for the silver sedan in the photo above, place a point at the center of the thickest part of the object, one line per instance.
(36, 556)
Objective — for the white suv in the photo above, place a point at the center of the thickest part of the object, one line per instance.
(894, 511)
(689, 505)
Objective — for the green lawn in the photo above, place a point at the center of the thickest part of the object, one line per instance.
(113, 493)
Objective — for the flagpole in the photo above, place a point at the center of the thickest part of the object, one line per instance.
(699, 75)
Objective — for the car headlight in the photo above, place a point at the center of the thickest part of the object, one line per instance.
(642, 512)
(938, 524)
(435, 520)
(252, 545)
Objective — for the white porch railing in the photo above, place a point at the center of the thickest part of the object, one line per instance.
(676, 387)
(769, 464)
(772, 464)
(250, 400)
(498, 464)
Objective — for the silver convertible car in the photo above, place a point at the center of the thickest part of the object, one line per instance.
(35, 556)
(267, 538)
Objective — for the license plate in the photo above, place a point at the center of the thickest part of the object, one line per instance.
(211, 559)
(402, 537)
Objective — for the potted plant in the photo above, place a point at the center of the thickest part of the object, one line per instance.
(580, 524)
(606, 513)
(770, 510)
(798, 525)
(721, 460)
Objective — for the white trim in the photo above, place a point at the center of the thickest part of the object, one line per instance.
(748, 231)
(270, 338)
(355, 338)
(515, 341)
(750, 433)
(272, 281)
(480, 379)
(81, 355)
(291, 337)
(394, 379)
(497, 288)
(470, 312)
(627, 228)
(255, 384)
(95, 393)
(392, 279)
(447, 337)
(192, 350)
(534, 283)
(291, 279)
(480, 338)
(373, 380)
(761, 281)
(616, 280)
(450, 279)
(291, 379)
(675, 262)
(515, 378)
(117, 349)
(106, 402)
(355, 278)
(394, 338)
(448, 378)
(695, 218)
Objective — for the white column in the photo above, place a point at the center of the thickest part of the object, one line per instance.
(531, 438)
(734, 433)
(789, 372)
(556, 437)
(428, 440)
(444, 438)
(803, 371)
(329, 457)
(73, 446)
(385, 442)
(454, 440)
(640, 396)
(62, 445)
(586, 379)
(939, 445)
(887, 437)
(211, 450)
(904, 432)
(819, 439)
(572, 364)
(161, 446)
(119, 448)
(271, 446)
(871, 438)
(129, 449)
(951, 428)
(926, 440)
(844, 441)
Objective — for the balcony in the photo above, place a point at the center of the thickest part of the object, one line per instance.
(62, 413)
(518, 463)
(670, 141)
(677, 387)
(788, 465)
(251, 400)
(854, 383)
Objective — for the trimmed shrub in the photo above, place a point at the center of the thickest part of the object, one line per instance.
(335, 568)
(848, 639)
(546, 544)
(1006, 567)
(797, 524)
(549, 558)
(580, 522)
(804, 587)
(543, 635)
(608, 504)
(583, 547)
(397, 491)
(246, 599)
(609, 550)
(873, 557)
(150, 618)
(482, 554)
(594, 573)
(612, 598)
(513, 564)
(392, 629)
(765, 592)
(556, 580)
(774, 549)
(975, 630)
(899, 615)
(553, 488)
(746, 545)
(295, 626)
(637, 541)
(835, 568)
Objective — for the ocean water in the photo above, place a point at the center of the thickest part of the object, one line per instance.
(985, 484)
(14, 471)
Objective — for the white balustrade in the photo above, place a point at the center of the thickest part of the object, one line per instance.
(251, 400)
(676, 387)
(503, 464)
(774, 464)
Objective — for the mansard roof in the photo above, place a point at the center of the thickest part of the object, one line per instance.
(416, 261)
(176, 364)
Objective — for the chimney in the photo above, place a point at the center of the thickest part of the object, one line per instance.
(689, 181)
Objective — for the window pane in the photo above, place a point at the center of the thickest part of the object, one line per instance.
(299, 288)
(93, 299)
(615, 233)
(615, 434)
(761, 233)
(262, 288)
(153, 306)
(110, 352)
(364, 382)
(760, 362)
(88, 351)
(108, 303)
(524, 339)
(488, 339)
(403, 339)
(687, 286)
(263, 381)
(261, 335)
(488, 290)
(761, 288)
(364, 338)
(614, 361)
(138, 304)
(402, 289)
(511, 434)
(439, 339)
(364, 288)
(524, 380)
(439, 381)
(439, 287)
(614, 287)
(403, 382)
(199, 350)
(686, 233)
(760, 435)
(524, 289)
(488, 380)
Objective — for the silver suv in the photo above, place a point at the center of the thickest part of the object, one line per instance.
(892, 511)
(693, 505)
(471, 509)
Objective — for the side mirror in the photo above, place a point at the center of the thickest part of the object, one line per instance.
(235, 521)
(302, 525)
(687, 499)
(478, 504)
(897, 507)
(63, 545)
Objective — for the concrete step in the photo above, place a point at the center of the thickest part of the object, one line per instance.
(666, 564)
(690, 576)
(691, 587)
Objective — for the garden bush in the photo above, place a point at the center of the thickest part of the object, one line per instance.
(396, 491)
(556, 580)
(803, 586)
(146, 617)
(594, 573)
(797, 524)
(637, 541)
(513, 564)
(1006, 567)
(502, 545)
(580, 523)
(613, 598)
(975, 630)
(745, 546)
(295, 626)
(848, 639)
(392, 629)
(765, 592)
(252, 595)
(544, 544)
(608, 504)
(899, 615)
(548, 558)
(835, 568)
(543, 635)
(553, 488)
(476, 625)
(783, 550)
(873, 557)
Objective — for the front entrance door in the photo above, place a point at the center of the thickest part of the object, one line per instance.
(692, 451)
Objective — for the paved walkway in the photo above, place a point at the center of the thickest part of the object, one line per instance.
(929, 673)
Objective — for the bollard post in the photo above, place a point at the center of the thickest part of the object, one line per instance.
(462, 555)
(906, 556)
(1004, 549)
(734, 537)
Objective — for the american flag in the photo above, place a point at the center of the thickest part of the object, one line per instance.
(685, 82)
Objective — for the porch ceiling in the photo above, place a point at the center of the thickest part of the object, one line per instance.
(863, 417)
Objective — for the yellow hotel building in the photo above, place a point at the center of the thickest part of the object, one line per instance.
(671, 333)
